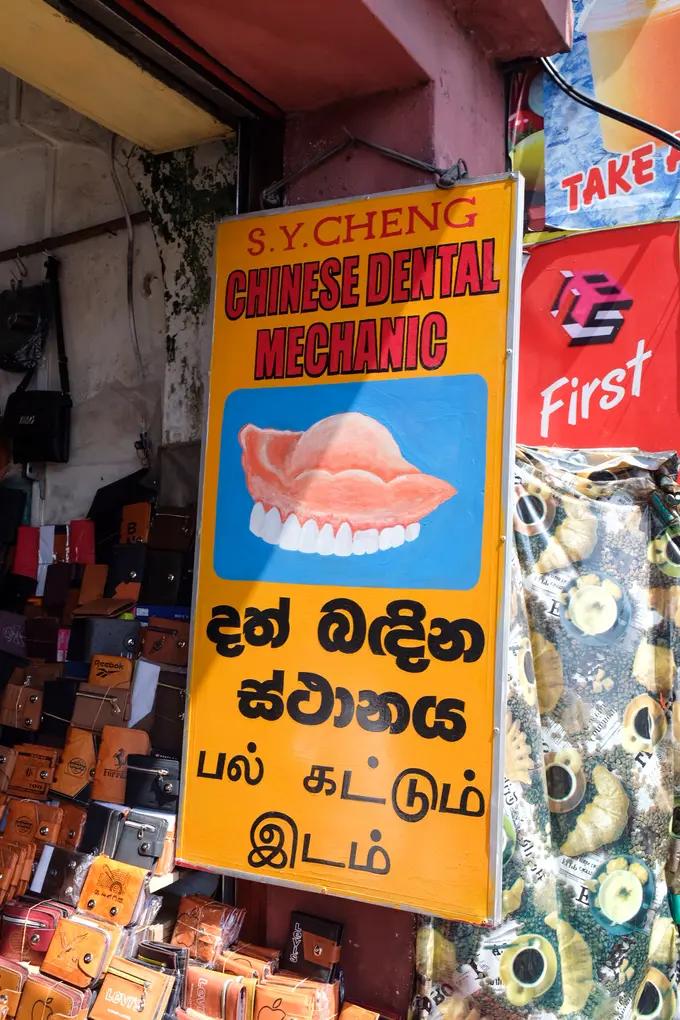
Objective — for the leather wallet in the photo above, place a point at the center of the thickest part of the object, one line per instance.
(27, 930)
(216, 995)
(126, 566)
(81, 950)
(103, 829)
(8, 757)
(97, 707)
(173, 528)
(72, 826)
(13, 977)
(59, 698)
(100, 635)
(60, 578)
(33, 771)
(75, 771)
(166, 641)
(42, 637)
(312, 947)
(168, 959)
(37, 673)
(29, 821)
(135, 523)
(93, 582)
(114, 891)
(13, 634)
(249, 961)
(111, 771)
(110, 671)
(111, 608)
(21, 707)
(162, 577)
(131, 991)
(60, 873)
(202, 927)
(152, 782)
(167, 729)
(44, 998)
(16, 860)
(143, 839)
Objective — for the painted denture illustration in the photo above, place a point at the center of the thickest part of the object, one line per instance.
(341, 488)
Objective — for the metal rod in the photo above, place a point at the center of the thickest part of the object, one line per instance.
(73, 237)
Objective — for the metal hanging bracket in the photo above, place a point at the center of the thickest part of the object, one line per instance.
(444, 178)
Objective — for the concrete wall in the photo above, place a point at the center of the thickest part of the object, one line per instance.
(53, 187)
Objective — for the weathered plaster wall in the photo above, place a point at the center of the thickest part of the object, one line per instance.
(52, 187)
(186, 193)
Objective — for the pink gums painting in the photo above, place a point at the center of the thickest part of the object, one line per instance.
(340, 488)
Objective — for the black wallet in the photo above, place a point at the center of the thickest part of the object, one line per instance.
(142, 840)
(60, 874)
(163, 578)
(103, 829)
(312, 947)
(167, 729)
(152, 782)
(59, 698)
(42, 637)
(103, 635)
(126, 566)
(173, 528)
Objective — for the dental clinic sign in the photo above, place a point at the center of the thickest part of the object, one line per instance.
(600, 327)
(348, 664)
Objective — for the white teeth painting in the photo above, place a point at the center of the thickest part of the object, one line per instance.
(340, 488)
(378, 483)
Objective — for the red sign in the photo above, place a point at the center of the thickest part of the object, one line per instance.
(599, 352)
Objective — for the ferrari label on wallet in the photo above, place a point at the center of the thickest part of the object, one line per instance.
(346, 676)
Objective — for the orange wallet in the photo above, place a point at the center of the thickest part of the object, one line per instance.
(114, 891)
(111, 770)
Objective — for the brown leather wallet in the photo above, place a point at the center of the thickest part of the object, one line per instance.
(34, 771)
(81, 950)
(93, 582)
(13, 977)
(215, 995)
(166, 641)
(75, 771)
(72, 826)
(114, 891)
(21, 706)
(111, 771)
(131, 991)
(8, 758)
(29, 821)
(46, 999)
(97, 707)
(110, 671)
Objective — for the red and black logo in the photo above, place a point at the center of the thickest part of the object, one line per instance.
(590, 307)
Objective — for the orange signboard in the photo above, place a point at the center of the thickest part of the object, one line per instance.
(347, 668)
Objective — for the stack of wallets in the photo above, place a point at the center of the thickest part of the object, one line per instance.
(220, 996)
(27, 929)
(204, 927)
(167, 959)
(303, 999)
(312, 947)
(249, 961)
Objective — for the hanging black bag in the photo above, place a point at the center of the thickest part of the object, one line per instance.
(39, 421)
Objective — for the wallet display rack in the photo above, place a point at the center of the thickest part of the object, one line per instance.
(94, 633)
